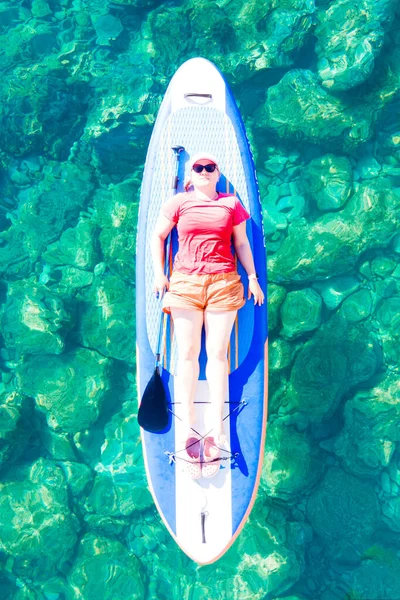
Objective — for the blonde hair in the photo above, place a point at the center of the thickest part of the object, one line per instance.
(187, 185)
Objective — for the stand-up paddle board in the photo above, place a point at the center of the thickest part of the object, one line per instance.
(205, 516)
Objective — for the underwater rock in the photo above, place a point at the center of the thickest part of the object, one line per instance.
(329, 181)
(34, 517)
(40, 9)
(367, 168)
(242, 39)
(47, 112)
(50, 207)
(258, 574)
(70, 389)
(107, 27)
(88, 442)
(34, 318)
(391, 512)
(79, 477)
(275, 165)
(118, 248)
(344, 512)
(281, 354)
(147, 537)
(107, 318)
(268, 556)
(388, 317)
(145, 534)
(15, 426)
(118, 123)
(300, 312)
(280, 358)
(117, 215)
(396, 244)
(118, 494)
(365, 270)
(292, 206)
(120, 486)
(388, 314)
(335, 240)
(65, 280)
(25, 172)
(394, 469)
(114, 527)
(114, 206)
(44, 210)
(59, 445)
(385, 288)
(292, 465)
(383, 266)
(338, 357)
(336, 289)
(274, 221)
(76, 247)
(350, 36)
(371, 429)
(276, 295)
(16, 257)
(137, 3)
(290, 598)
(357, 307)
(376, 578)
(54, 587)
(105, 570)
(299, 107)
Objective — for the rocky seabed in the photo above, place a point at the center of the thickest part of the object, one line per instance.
(318, 86)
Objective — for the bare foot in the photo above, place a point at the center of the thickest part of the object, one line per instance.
(185, 432)
(220, 436)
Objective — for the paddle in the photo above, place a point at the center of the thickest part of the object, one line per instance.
(153, 410)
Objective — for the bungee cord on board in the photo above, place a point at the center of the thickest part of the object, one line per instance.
(172, 456)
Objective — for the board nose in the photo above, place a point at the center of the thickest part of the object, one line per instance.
(197, 82)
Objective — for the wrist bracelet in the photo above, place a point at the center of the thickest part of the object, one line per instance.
(253, 276)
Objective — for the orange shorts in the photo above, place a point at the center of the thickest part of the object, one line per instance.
(217, 292)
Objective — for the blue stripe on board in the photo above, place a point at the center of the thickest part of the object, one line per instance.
(247, 383)
(163, 476)
(162, 473)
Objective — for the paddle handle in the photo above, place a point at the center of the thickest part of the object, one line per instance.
(161, 319)
(177, 151)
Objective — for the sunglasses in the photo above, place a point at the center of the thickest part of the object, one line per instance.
(210, 168)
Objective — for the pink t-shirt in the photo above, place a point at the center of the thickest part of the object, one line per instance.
(204, 230)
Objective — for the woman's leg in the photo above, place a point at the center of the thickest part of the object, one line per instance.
(218, 327)
(187, 330)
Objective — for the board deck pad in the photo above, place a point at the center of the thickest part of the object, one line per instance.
(204, 516)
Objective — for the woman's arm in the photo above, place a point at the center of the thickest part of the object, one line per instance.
(242, 248)
(245, 255)
(161, 231)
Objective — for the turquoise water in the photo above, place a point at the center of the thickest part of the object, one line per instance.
(318, 86)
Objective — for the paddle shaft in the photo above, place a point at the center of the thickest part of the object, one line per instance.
(177, 151)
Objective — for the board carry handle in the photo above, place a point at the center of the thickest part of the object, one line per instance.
(203, 99)
(177, 151)
(191, 94)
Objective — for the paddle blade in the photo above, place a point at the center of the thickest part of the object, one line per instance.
(153, 409)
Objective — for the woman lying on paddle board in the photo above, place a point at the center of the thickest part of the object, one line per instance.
(204, 288)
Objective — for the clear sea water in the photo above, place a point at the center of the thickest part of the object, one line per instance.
(318, 87)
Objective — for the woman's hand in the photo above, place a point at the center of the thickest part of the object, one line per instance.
(161, 283)
(255, 289)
